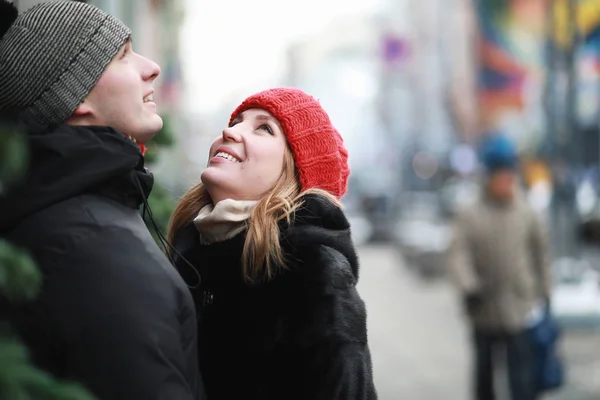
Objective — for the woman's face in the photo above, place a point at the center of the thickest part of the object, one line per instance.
(245, 162)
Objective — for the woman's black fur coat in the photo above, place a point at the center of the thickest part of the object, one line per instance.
(300, 336)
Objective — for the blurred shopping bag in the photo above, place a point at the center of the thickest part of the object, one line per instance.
(549, 366)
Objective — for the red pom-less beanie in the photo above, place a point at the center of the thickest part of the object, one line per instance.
(319, 152)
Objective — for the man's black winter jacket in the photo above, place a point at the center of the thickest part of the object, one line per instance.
(113, 313)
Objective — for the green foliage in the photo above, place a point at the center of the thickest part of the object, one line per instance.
(161, 201)
(13, 156)
(164, 138)
(162, 204)
(19, 380)
(19, 277)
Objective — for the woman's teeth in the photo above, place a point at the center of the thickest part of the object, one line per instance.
(227, 157)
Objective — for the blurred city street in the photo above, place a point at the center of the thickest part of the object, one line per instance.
(419, 342)
(416, 335)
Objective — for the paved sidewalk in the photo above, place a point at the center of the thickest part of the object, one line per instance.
(417, 338)
(419, 341)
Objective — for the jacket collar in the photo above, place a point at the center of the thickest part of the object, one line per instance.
(72, 160)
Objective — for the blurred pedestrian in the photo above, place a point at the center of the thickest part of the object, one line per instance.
(113, 314)
(279, 313)
(499, 261)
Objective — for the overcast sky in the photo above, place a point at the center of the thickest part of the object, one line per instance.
(229, 45)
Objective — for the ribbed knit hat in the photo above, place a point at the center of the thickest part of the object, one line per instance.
(52, 55)
(318, 149)
(498, 152)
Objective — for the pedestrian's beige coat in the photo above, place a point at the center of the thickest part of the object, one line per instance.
(500, 251)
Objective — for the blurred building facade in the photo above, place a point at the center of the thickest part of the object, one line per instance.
(23, 5)
(386, 80)
(339, 66)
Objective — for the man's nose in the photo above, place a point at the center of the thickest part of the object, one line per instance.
(151, 70)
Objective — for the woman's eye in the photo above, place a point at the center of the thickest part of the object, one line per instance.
(267, 128)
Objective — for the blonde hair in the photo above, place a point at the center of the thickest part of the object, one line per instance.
(262, 256)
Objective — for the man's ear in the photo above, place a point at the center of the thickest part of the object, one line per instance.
(83, 110)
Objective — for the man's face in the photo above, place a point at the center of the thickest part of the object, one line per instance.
(502, 184)
(123, 97)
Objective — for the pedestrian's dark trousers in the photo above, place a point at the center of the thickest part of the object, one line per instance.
(520, 359)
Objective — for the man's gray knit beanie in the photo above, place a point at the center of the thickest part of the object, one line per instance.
(51, 56)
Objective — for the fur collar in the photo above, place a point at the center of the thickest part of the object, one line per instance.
(316, 223)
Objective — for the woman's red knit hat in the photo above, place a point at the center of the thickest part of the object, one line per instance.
(318, 148)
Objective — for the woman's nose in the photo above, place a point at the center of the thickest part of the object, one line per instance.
(231, 134)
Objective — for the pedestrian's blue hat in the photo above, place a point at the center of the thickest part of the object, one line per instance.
(498, 152)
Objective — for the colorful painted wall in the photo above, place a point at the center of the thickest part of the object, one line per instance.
(511, 67)
(588, 56)
(512, 38)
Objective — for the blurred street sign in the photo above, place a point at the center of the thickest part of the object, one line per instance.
(396, 50)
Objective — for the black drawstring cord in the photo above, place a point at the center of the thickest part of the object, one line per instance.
(161, 237)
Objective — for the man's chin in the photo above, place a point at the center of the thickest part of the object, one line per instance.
(151, 131)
